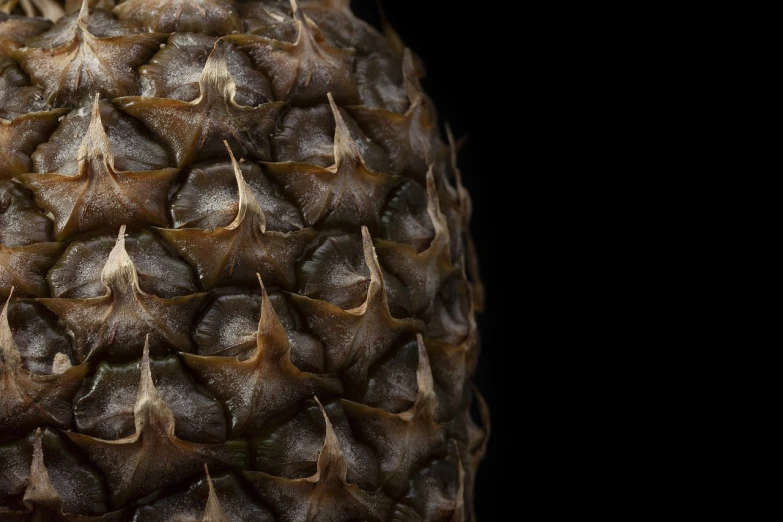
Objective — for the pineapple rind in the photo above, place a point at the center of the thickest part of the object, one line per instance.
(235, 266)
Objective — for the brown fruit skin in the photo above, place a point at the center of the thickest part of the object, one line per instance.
(230, 237)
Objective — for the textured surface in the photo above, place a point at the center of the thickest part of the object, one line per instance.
(230, 237)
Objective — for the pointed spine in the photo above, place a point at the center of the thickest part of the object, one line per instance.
(84, 13)
(271, 338)
(309, 33)
(215, 77)
(439, 223)
(95, 144)
(149, 405)
(246, 198)
(213, 512)
(377, 288)
(40, 491)
(345, 148)
(331, 461)
(9, 351)
(296, 11)
(426, 401)
(119, 270)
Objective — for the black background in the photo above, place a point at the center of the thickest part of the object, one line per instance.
(462, 79)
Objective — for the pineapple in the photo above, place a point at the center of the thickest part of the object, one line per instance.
(235, 269)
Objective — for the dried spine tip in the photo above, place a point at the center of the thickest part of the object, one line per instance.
(303, 21)
(8, 348)
(377, 283)
(213, 512)
(84, 12)
(149, 406)
(439, 223)
(95, 144)
(247, 201)
(426, 401)
(271, 338)
(215, 77)
(147, 389)
(119, 267)
(344, 144)
(309, 33)
(331, 461)
(40, 491)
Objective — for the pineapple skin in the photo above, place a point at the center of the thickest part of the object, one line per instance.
(237, 276)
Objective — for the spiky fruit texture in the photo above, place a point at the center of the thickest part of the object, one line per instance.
(300, 321)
